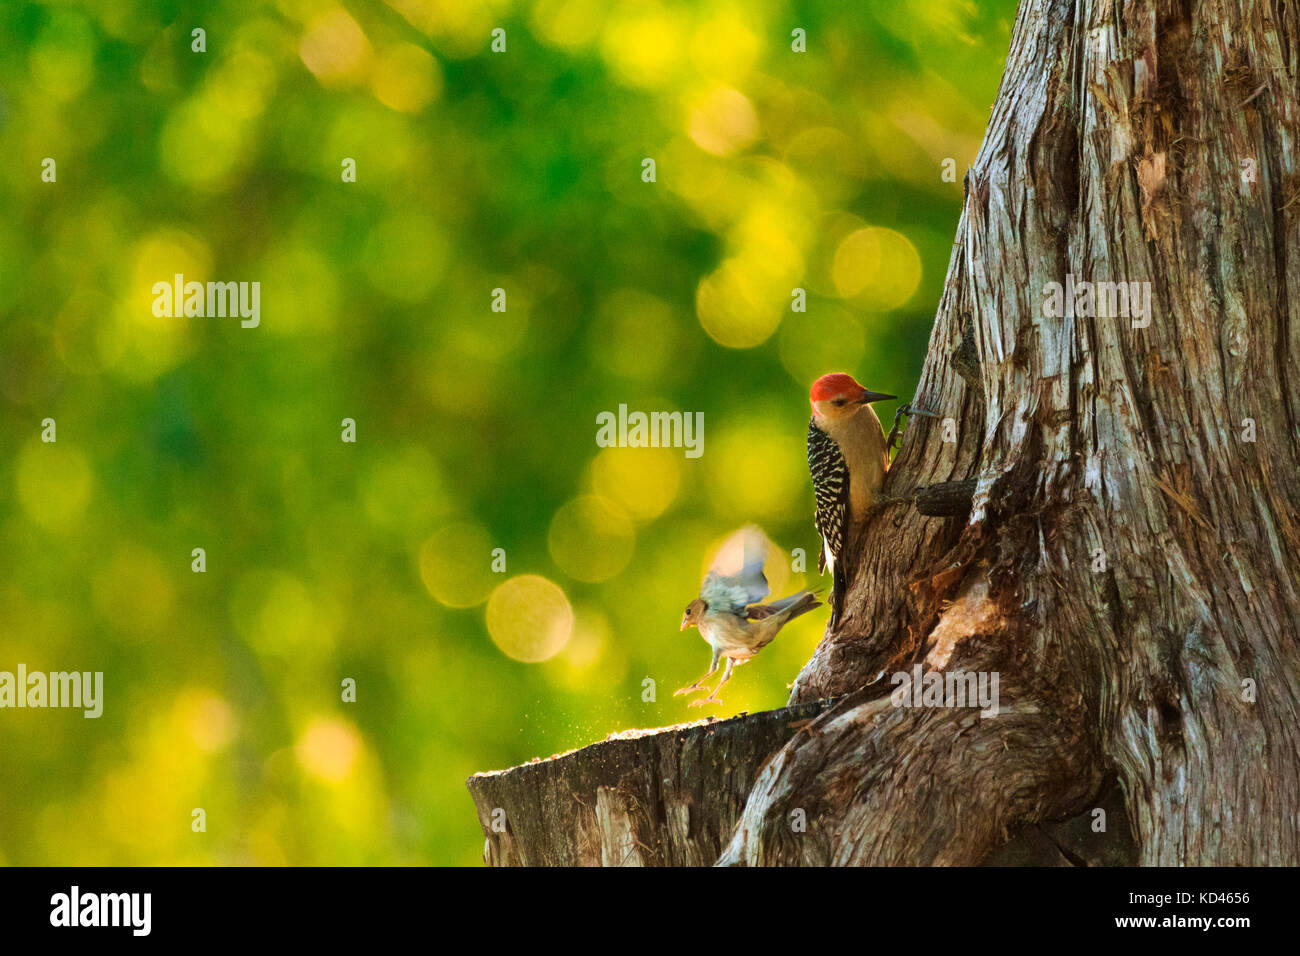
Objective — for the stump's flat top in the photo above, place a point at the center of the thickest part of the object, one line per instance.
(630, 734)
(793, 716)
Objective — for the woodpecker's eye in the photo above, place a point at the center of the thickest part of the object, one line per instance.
(840, 401)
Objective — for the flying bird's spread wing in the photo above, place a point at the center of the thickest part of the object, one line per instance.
(735, 579)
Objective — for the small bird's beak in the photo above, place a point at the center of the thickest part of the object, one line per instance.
(868, 396)
(685, 624)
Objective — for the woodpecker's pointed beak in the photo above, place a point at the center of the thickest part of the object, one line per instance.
(868, 396)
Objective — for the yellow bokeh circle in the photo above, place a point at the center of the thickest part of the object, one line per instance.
(722, 122)
(529, 618)
(456, 565)
(328, 749)
(406, 78)
(643, 481)
(591, 538)
(567, 23)
(878, 268)
(737, 307)
(54, 484)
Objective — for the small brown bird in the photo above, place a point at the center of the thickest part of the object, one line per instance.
(727, 611)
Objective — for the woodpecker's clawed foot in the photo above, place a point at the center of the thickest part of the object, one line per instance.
(892, 442)
(913, 410)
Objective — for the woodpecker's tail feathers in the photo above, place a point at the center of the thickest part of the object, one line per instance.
(838, 590)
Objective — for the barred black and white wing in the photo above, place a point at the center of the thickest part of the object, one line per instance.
(830, 477)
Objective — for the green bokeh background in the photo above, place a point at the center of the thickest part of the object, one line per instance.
(326, 560)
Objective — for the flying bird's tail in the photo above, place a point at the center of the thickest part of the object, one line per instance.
(788, 608)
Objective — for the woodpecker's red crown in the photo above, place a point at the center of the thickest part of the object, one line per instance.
(831, 386)
(838, 396)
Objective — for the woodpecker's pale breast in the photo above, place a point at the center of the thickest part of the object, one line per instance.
(862, 443)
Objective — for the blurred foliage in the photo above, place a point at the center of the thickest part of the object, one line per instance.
(475, 429)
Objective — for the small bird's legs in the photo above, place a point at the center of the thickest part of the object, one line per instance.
(892, 441)
(713, 666)
(691, 687)
(713, 697)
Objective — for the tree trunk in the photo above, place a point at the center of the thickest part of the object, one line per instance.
(1130, 564)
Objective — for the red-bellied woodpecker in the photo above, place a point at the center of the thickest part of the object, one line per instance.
(727, 613)
(848, 457)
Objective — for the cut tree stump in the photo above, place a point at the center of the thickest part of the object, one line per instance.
(663, 797)
(673, 796)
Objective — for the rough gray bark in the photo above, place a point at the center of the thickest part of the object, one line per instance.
(1130, 565)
